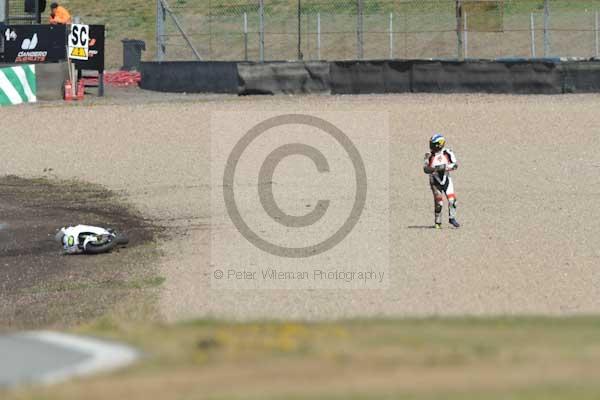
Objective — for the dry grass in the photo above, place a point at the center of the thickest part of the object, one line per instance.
(415, 359)
(423, 29)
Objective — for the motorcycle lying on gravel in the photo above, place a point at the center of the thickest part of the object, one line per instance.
(86, 239)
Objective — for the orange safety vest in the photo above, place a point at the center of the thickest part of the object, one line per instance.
(61, 16)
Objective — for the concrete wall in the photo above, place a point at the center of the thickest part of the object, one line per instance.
(50, 80)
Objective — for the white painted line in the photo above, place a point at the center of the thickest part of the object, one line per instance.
(103, 356)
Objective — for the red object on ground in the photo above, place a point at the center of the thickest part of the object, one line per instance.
(90, 81)
(80, 89)
(80, 93)
(117, 78)
(68, 90)
(122, 78)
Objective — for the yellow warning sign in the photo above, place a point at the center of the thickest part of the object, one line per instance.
(78, 42)
(78, 52)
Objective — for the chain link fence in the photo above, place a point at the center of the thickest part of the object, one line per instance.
(377, 29)
(21, 12)
(269, 30)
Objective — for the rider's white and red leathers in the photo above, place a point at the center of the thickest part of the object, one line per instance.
(438, 166)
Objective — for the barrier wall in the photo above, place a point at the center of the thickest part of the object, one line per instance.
(17, 85)
(419, 76)
(486, 76)
(50, 80)
(283, 78)
(383, 76)
(190, 77)
(364, 77)
(580, 77)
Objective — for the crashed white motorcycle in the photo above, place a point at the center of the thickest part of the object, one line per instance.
(85, 239)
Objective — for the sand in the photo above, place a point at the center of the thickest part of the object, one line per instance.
(527, 191)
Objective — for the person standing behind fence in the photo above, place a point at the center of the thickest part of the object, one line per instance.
(59, 15)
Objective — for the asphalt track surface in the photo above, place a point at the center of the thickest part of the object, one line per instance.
(28, 360)
(46, 357)
(527, 191)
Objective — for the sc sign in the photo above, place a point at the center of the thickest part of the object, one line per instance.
(79, 39)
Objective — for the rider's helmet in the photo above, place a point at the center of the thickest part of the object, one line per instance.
(437, 142)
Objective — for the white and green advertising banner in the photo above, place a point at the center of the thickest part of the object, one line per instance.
(17, 85)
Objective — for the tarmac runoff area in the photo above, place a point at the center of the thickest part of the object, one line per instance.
(48, 357)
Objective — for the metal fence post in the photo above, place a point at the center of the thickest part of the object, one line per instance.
(466, 36)
(546, 28)
(307, 30)
(300, 55)
(38, 14)
(532, 28)
(359, 30)
(210, 32)
(596, 35)
(246, 36)
(185, 36)
(3, 11)
(391, 29)
(318, 36)
(160, 31)
(405, 35)
(459, 29)
(261, 30)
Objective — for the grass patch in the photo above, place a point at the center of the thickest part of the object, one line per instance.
(215, 26)
(111, 284)
(468, 358)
